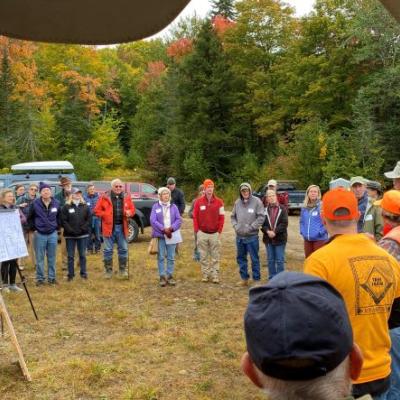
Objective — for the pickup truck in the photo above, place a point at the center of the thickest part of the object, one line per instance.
(296, 197)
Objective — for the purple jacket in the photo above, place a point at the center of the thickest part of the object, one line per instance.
(157, 219)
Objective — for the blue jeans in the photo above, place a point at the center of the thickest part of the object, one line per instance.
(119, 238)
(394, 390)
(81, 245)
(169, 251)
(276, 259)
(94, 240)
(45, 245)
(244, 246)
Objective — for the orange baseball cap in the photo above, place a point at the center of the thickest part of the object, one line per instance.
(339, 198)
(207, 183)
(390, 202)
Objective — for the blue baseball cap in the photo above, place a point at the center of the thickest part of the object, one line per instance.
(297, 327)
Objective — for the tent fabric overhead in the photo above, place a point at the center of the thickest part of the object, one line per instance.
(86, 21)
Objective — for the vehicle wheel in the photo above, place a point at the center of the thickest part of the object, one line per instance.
(133, 231)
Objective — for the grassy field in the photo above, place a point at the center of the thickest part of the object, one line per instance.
(115, 339)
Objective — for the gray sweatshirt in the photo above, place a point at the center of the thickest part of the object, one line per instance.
(247, 216)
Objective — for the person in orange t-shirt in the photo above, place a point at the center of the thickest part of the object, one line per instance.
(368, 278)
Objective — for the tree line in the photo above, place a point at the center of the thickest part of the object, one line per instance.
(251, 91)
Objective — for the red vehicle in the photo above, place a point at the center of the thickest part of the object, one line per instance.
(143, 195)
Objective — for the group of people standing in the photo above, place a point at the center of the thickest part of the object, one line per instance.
(79, 218)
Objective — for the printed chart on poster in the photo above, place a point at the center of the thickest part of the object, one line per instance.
(12, 243)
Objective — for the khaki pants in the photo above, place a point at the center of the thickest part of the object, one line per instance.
(209, 249)
(29, 240)
(63, 248)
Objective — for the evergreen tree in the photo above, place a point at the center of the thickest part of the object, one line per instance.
(8, 112)
(226, 8)
(200, 132)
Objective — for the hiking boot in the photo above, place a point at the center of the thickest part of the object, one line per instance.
(123, 273)
(215, 280)
(108, 269)
(14, 288)
(163, 281)
(243, 283)
(170, 280)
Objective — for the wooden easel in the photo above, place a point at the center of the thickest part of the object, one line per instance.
(7, 320)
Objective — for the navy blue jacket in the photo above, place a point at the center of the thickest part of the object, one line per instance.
(91, 201)
(44, 219)
(311, 225)
(362, 207)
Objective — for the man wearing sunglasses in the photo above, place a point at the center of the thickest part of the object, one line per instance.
(24, 203)
(115, 208)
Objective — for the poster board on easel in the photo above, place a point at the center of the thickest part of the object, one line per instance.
(12, 242)
(12, 246)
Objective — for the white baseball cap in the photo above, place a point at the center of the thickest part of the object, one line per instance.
(272, 182)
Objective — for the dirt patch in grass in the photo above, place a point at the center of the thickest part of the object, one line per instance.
(100, 339)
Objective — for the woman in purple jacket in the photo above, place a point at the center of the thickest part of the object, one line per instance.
(165, 219)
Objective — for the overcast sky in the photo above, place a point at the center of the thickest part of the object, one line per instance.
(201, 7)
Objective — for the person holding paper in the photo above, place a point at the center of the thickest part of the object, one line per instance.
(9, 267)
(166, 220)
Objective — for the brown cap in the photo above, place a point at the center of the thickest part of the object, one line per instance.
(64, 180)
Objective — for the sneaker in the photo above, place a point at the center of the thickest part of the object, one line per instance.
(215, 280)
(123, 274)
(21, 267)
(40, 283)
(205, 279)
(5, 289)
(14, 288)
(163, 281)
(53, 282)
(170, 280)
(243, 283)
(108, 274)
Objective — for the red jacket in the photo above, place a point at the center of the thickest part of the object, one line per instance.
(208, 216)
(104, 210)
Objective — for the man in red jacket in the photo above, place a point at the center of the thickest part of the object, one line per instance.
(208, 221)
(115, 208)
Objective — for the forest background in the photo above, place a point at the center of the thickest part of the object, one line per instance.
(248, 93)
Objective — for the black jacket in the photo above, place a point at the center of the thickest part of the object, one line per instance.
(178, 199)
(280, 227)
(76, 220)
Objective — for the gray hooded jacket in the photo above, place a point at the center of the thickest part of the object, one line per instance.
(247, 216)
